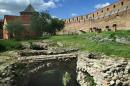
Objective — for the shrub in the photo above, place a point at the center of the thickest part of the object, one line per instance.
(9, 45)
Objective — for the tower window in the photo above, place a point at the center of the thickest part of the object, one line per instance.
(102, 11)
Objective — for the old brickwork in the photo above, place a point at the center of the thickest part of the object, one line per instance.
(116, 13)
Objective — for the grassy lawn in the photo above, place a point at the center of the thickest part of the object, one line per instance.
(84, 43)
(121, 33)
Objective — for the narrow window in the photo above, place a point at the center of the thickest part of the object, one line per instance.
(81, 17)
(122, 3)
(78, 19)
(102, 11)
(69, 20)
(97, 13)
(114, 6)
(86, 17)
(107, 9)
(93, 15)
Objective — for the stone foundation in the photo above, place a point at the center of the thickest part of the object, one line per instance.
(89, 69)
(106, 71)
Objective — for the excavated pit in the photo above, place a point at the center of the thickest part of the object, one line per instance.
(40, 64)
(44, 65)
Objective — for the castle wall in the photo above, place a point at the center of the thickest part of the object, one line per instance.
(116, 13)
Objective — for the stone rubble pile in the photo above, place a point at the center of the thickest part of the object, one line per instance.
(106, 71)
(36, 56)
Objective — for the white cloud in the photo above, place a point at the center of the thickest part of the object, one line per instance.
(49, 4)
(3, 11)
(98, 6)
(54, 16)
(8, 7)
(74, 14)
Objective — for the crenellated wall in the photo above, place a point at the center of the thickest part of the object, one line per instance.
(116, 13)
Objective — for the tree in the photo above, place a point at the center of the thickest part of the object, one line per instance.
(15, 28)
(39, 22)
(35, 24)
(44, 23)
(1, 29)
(54, 26)
(1, 26)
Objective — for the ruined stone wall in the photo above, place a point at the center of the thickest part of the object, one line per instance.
(90, 69)
(101, 70)
(117, 13)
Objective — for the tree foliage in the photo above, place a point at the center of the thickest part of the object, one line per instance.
(54, 26)
(15, 28)
(1, 26)
(44, 23)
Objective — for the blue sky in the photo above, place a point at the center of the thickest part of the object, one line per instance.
(59, 8)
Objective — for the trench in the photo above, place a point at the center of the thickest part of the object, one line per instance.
(63, 75)
(55, 72)
(58, 75)
(52, 78)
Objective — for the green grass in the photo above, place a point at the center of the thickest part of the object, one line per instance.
(6, 45)
(85, 44)
(90, 80)
(120, 33)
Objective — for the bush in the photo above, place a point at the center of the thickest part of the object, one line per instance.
(9, 45)
(2, 47)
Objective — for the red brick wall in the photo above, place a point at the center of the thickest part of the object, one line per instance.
(117, 13)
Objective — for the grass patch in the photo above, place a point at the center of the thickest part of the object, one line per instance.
(6, 45)
(85, 44)
(90, 80)
(120, 33)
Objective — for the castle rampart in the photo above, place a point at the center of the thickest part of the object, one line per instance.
(117, 14)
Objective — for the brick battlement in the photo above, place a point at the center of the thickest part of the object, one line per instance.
(117, 13)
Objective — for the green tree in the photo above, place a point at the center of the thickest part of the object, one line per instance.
(54, 26)
(15, 28)
(44, 23)
(1, 26)
(35, 24)
(39, 22)
(1, 29)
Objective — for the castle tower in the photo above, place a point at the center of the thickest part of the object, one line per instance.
(28, 11)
